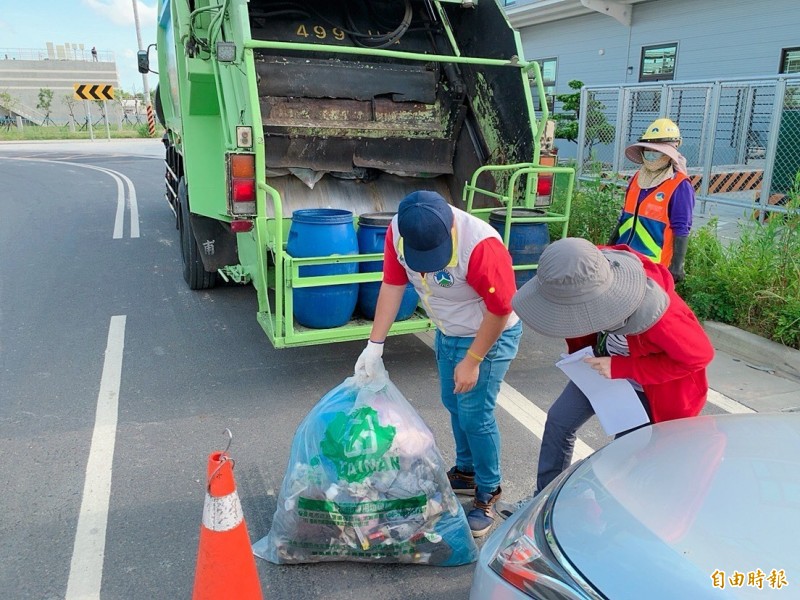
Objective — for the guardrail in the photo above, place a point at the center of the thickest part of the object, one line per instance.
(60, 52)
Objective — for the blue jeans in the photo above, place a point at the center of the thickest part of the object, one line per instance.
(472, 414)
(567, 414)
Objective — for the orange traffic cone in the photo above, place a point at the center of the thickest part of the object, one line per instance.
(226, 567)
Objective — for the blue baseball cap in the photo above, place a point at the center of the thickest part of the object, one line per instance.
(425, 220)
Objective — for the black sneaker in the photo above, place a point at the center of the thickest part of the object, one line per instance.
(461, 482)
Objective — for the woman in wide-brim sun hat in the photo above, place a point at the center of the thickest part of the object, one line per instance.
(624, 306)
(656, 217)
(578, 290)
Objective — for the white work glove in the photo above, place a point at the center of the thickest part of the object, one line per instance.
(370, 363)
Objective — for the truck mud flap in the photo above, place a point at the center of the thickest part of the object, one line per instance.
(216, 243)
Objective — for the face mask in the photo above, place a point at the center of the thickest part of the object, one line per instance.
(651, 155)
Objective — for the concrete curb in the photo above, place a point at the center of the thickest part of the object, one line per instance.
(754, 349)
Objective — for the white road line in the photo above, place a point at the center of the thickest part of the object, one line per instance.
(727, 404)
(86, 568)
(119, 220)
(533, 418)
(133, 205)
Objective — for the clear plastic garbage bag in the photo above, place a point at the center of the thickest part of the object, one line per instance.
(366, 482)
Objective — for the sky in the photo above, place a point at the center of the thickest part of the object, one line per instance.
(106, 24)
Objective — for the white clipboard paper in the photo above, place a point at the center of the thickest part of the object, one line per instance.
(614, 401)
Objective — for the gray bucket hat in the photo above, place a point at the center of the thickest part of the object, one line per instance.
(579, 290)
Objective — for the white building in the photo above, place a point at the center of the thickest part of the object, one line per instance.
(627, 41)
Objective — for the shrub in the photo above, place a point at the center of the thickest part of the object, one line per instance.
(706, 287)
(595, 209)
(752, 283)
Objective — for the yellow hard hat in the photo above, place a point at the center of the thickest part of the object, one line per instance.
(662, 130)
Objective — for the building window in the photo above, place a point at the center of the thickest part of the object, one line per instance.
(790, 60)
(658, 62)
(548, 68)
(790, 63)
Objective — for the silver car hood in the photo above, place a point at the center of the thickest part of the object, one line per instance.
(657, 512)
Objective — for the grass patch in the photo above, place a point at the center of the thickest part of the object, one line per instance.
(36, 132)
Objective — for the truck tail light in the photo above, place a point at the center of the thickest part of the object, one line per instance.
(545, 185)
(241, 226)
(242, 183)
(243, 190)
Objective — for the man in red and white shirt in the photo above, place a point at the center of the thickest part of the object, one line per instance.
(463, 275)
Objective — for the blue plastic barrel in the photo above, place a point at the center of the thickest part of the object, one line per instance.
(371, 237)
(526, 242)
(324, 232)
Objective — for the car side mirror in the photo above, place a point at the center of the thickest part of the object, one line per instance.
(143, 61)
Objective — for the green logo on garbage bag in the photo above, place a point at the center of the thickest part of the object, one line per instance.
(357, 442)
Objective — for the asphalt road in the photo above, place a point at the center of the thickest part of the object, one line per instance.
(114, 376)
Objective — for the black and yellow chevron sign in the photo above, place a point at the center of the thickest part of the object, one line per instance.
(94, 91)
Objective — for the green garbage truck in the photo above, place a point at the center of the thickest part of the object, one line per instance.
(272, 108)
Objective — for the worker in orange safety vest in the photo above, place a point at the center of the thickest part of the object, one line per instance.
(657, 215)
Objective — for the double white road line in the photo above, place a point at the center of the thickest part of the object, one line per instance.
(122, 201)
(88, 555)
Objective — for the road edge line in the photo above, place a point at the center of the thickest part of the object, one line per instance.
(88, 554)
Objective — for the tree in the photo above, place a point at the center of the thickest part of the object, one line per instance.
(119, 105)
(567, 122)
(8, 102)
(45, 104)
(70, 102)
(598, 129)
(101, 111)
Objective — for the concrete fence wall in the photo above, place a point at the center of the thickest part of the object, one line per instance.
(22, 80)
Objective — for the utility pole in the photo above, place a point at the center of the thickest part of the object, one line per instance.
(150, 119)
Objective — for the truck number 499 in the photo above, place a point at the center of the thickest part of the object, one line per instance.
(320, 32)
